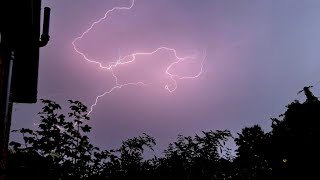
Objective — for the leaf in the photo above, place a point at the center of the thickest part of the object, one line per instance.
(13, 143)
(86, 128)
(23, 130)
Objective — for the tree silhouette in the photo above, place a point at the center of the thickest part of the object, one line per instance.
(295, 139)
(252, 154)
(61, 142)
(196, 157)
(60, 149)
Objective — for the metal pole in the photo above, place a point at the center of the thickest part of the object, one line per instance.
(8, 90)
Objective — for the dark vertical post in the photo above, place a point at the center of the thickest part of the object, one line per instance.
(5, 107)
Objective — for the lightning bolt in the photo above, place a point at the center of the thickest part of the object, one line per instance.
(128, 59)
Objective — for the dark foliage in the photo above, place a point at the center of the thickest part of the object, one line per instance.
(60, 149)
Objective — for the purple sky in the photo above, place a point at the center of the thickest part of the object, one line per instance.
(259, 55)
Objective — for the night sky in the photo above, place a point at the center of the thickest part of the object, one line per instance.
(259, 54)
